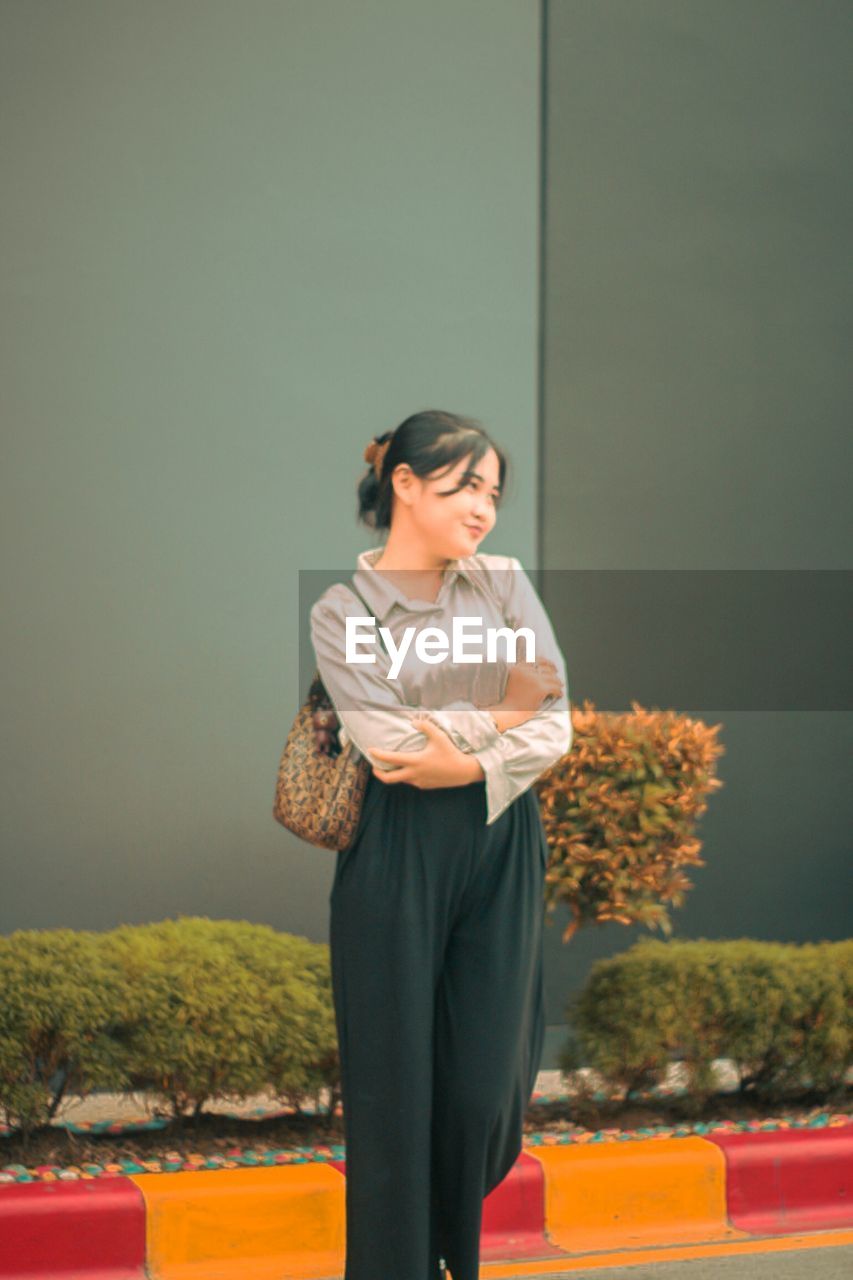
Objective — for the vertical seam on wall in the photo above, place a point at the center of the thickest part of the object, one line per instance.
(540, 335)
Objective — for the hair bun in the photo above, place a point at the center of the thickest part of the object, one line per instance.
(375, 453)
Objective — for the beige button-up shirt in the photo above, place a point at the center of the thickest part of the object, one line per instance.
(376, 711)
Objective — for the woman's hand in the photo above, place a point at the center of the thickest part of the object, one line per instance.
(439, 764)
(528, 684)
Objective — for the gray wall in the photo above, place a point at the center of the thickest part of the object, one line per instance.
(238, 240)
(697, 399)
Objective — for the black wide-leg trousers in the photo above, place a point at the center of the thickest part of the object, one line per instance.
(436, 954)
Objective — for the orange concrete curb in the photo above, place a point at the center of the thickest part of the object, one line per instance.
(561, 1208)
(270, 1222)
(624, 1194)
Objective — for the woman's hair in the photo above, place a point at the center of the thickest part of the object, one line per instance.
(426, 441)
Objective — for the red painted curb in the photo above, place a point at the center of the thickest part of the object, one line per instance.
(789, 1180)
(53, 1229)
(783, 1182)
(513, 1223)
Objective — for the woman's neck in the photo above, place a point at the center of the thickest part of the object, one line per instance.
(420, 576)
(409, 560)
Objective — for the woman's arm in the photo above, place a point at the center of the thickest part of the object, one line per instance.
(508, 717)
(522, 752)
(440, 764)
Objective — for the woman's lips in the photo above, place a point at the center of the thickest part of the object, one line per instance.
(475, 529)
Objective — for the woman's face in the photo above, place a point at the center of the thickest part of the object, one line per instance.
(454, 525)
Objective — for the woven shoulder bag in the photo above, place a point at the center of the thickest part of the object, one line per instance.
(320, 786)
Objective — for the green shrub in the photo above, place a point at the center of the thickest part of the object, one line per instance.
(780, 1011)
(191, 1009)
(58, 1019)
(292, 978)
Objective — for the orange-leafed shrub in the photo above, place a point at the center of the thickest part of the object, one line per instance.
(620, 811)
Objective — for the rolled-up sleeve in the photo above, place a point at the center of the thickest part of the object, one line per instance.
(370, 706)
(468, 726)
(522, 754)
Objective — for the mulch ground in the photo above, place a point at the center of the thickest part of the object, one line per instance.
(217, 1141)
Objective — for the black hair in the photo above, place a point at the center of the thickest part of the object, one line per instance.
(426, 441)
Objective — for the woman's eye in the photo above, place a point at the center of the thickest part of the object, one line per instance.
(495, 497)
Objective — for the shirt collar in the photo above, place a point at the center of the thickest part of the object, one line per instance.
(382, 594)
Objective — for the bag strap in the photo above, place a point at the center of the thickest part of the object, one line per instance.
(316, 684)
(317, 693)
(370, 612)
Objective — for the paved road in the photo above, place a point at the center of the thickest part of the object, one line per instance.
(800, 1264)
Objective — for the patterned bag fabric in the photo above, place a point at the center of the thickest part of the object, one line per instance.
(320, 786)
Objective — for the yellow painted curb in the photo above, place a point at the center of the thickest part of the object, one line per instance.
(245, 1224)
(621, 1194)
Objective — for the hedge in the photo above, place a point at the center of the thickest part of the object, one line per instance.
(189, 1009)
(194, 1009)
(780, 1011)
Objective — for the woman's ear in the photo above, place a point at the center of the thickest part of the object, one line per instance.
(403, 481)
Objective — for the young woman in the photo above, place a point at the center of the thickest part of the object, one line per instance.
(437, 905)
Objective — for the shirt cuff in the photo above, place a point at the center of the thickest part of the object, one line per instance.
(468, 727)
(499, 789)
